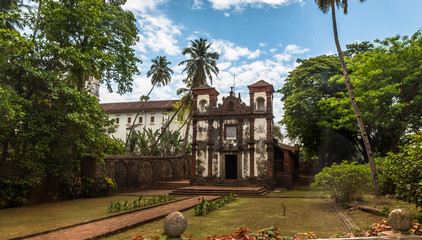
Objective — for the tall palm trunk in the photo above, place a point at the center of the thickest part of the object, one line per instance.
(355, 106)
(134, 120)
(185, 140)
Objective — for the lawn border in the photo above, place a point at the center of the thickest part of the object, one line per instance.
(91, 221)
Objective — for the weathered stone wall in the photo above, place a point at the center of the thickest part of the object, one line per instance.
(132, 172)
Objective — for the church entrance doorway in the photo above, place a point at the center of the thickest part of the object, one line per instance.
(231, 166)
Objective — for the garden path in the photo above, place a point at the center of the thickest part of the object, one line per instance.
(121, 222)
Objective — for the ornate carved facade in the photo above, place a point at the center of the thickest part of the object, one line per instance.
(233, 141)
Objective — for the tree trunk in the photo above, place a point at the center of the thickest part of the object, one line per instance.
(355, 107)
(185, 140)
(168, 124)
(134, 120)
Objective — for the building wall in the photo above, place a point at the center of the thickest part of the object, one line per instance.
(160, 119)
(132, 172)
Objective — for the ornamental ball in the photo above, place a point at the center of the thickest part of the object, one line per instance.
(175, 224)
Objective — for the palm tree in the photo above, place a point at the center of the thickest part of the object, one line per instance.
(10, 5)
(202, 63)
(160, 75)
(325, 6)
(200, 67)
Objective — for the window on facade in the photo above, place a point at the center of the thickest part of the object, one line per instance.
(129, 120)
(152, 119)
(203, 106)
(230, 132)
(231, 106)
(140, 120)
(117, 120)
(260, 104)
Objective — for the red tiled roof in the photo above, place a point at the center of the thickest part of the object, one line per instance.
(260, 83)
(166, 105)
(205, 86)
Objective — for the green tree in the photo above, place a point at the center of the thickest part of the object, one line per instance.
(9, 6)
(90, 38)
(401, 173)
(160, 74)
(387, 83)
(201, 65)
(303, 90)
(52, 123)
(325, 6)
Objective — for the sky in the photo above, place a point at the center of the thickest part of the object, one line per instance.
(256, 39)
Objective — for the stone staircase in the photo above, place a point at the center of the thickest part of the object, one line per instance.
(221, 191)
(171, 185)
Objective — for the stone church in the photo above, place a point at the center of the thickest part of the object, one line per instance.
(233, 142)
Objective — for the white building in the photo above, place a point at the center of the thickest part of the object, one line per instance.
(152, 114)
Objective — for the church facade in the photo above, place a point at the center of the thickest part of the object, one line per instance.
(233, 142)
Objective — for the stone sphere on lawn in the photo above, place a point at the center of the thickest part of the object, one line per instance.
(400, 220)
(175, 224)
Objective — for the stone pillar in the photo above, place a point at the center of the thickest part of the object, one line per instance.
(270, 148)
(194, 148)
(251, 100)
(210, 144)
(269, 102)
(252, 147)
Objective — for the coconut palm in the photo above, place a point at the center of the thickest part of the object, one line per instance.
(200, 67)
(202, 63)
(8, 6)
(325, 6)
(160, 74)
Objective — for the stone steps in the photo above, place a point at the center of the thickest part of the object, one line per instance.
(170, 185)
(221, 191)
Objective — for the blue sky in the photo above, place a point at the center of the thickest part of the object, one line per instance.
(255, 39)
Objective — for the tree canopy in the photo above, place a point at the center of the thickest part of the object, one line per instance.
(49, 120)
(387, 81)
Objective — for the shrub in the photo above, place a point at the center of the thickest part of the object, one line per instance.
(206, 206)
(99, 187)
(13, 192)
(401, 173)
(347, 182)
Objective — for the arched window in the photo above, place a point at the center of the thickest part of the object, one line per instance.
(260, 104)
(203, 106)
(231, 106)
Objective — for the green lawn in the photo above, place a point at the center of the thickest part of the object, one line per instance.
(297, 193)
(35, 218)
(364, 219)
(302, 215)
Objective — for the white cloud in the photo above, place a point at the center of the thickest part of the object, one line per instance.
(231, 52)
(198, 4)
(158, 33)
(294, 49)
(241, 4)
(289, 51)
(263, 44)
(142, 6)
(226, 14)
(254, 54)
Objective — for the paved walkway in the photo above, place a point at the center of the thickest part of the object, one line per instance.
(121, 222)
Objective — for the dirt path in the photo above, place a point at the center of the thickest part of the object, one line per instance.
(120, 223)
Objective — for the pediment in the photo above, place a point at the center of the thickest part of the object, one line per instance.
(231, 105)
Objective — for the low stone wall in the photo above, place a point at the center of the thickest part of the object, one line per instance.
(133, 172)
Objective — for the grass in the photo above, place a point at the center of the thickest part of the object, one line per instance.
(364, 219)
(297, 193)
(255, 213)
(15, 222)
